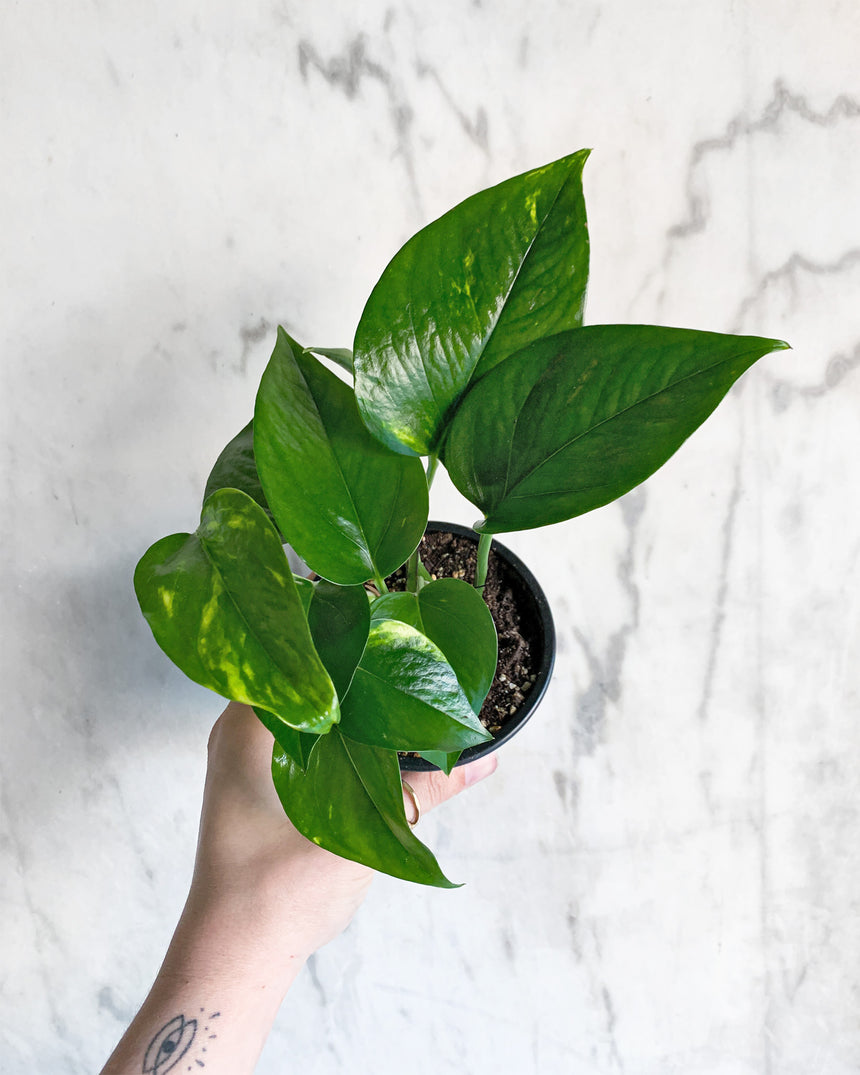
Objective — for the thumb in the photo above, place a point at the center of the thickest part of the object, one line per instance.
(435, 787)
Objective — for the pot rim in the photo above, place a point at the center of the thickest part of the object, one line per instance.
(543, 628)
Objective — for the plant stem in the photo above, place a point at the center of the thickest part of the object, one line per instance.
(412, 566)
(486, 540)
(412, 573)
(380, 582)
(432, 464)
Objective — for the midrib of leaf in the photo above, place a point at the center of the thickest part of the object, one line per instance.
(384, 533)
(610, 418)
(309, 493)
(336, 459)
(502, 310)
(517, 274)
(345, 741)
(244, 618)
(414, 697)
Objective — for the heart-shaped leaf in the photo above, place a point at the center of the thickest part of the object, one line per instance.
(454, 616)
(350, 508)
(339, 619)
(236, 468)
(457, 619)
(503, 268)
(405, 695)
(349, 800)
(223, 605)
(574, 421)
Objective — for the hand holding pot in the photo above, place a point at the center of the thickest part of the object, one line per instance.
(248, 848)
(262, 900)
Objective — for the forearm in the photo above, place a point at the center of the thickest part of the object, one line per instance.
(263, 898)
(225, 974)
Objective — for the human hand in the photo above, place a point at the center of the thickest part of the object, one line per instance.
(250, 853)
(262, 899)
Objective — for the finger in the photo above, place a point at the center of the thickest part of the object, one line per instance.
(434, 788)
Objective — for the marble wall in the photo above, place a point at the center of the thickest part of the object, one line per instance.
(662, 877)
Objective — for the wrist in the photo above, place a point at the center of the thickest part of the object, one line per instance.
(218, 991)
(235, 934)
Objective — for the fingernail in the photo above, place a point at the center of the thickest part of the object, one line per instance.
(478, 769)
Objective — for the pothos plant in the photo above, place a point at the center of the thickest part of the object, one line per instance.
(471, 352)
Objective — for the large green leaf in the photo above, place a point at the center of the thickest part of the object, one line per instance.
(505, 267)
(349, 800)
(348, 506)
(405, 695)
(223, 606)
(454, 616)
(576, 420)
(339, 619)
(236, 468)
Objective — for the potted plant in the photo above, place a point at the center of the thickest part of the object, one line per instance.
(471, 352)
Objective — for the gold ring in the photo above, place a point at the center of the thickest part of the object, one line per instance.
(410, 791)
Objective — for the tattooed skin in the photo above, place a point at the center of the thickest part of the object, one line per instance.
(173, 1043)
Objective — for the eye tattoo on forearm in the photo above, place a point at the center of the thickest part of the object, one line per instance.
(173, 1043)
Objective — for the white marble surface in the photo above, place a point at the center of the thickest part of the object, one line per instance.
(662, 878)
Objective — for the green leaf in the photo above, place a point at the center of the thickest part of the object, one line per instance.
(441, 759)
(350, 801)
(502, 269)
(223, 605)
(349, 507)
(454, 616)
(398, 605)
(405, 695)
(236, 468)
(297, 744)
(575, 421)
(306, 591)
(457, 619)
(341, 356)
(339, 619)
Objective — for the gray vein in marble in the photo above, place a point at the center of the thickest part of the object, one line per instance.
(508, 945)
(716, 630)
(313, 973)
(107, 1002)
(782, 103)
(566, 789)
(475, 130)
(838, 368)
(611, 1020)
(789, 273)
(250, 335)
(607, 670)
(571, 919)
(346, 73)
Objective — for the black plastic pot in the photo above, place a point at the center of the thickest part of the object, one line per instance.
(536, 624)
